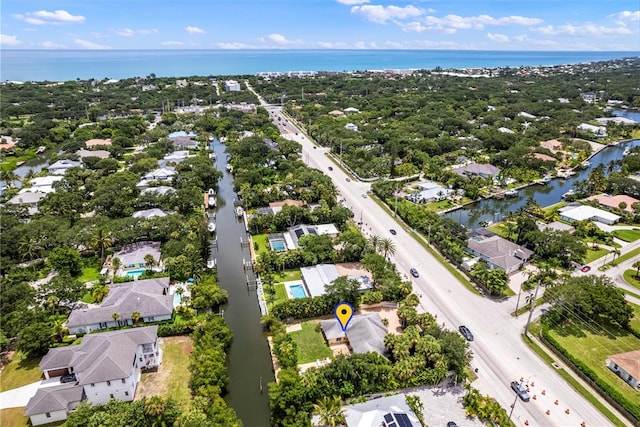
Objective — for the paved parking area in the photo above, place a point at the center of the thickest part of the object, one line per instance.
(19, 397)
(444, 404)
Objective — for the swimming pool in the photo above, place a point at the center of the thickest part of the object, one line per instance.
(136, 273)
(297, 291)
(278, 245)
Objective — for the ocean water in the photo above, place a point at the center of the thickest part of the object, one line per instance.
(62, 65)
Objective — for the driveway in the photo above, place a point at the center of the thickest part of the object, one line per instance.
(19, 397)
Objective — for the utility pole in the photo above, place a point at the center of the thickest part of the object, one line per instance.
(395, 211)
(533, 306)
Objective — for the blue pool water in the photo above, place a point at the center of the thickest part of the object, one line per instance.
(297, 291)
(177, 298)
(277, 245)
(136, 273)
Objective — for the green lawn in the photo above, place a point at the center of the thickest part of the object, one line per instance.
(628, 255)
(19, 372)
(499, 229)
(178, 382)
(13, 417)
(554, 207)
(311, 344)
(88, 298)
(288, 275)
(89, 274)
(592, 344)
(628, 235)
(631, 278)
(593, 255)
(635, 320)
(262, 243)
(281, 294)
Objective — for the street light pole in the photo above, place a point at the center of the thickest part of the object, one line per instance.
(395, 211)
(533, 306)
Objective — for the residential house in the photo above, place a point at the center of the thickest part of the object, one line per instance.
(271, 144)
(483, 170)
(149, 297)
(181, 133)
(351, 110)
(614, 201)
(42, 184)
(231, 86)
(183, 142)
(351, 126)
(544, 157)
(97, 142)
(106, 366)
(132, 256)
(430, 192)
(389, 411)
(28, 198)
(316, 277)
(160, 190)
(293, 234)
(160, 175)
(149, 213)
(552, 145)
(626, 366)
(101, 154)
(617, 120)
(505, 130)
(62, 166)
(556, 226)
(277, 206)
(242, 106)
(598, 131)
(498, 252)
(336, 113)
(577, 212)
(364, 333)
(174, 157)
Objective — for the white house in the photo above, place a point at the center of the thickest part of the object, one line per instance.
(388, 411)
(430, 192)
(28, 198)
(599, 131)
(160, 175)
(106, 366)
(231, 86)
(571, 213)
(150, 298)
(62, 166)
(293, 234)
(626, 366)
(351, 126)
(149, 213)
(43, 184)
(499, 252)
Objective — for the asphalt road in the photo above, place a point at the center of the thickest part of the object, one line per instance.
(499, 353)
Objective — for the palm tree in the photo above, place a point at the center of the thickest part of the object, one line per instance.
(616, 253)
(149, 261)
(116, 317)
(115, 263)
(100, 241)
(374, 243)
(135, 317)
(636, 265)
(98, 292)
(29, 248)
(387, 247)
(9, 177)
(330, 411)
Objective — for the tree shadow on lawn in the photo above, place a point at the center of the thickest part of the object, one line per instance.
(601, 327)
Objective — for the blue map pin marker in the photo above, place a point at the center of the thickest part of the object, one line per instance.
(344, 314)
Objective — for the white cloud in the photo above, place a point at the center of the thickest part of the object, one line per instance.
(172, 43)
(381, 14)
(231, 46)
(7, 40)
(584, 30)
(351, 2)
(85, 44)
(429, 44)
(194, 30)
(497, 37)
(279, 39)
(626, 15)
(43, 17)
(51, 45)
(128, 32)
(449, 24)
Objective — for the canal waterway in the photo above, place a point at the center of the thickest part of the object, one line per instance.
(494, 210)
(249, 357)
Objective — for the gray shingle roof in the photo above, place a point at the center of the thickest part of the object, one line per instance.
(365, 332)
(499, 251)
(102, 357)
(56, 398)
(144, 296)
(135, 253)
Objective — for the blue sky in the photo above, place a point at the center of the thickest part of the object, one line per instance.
(321, 24)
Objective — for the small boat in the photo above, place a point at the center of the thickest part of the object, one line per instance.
(229, 168)
(41, 149)
(511, 193)
(211, 227)
(571, 192)
(626, 151)
(585, 164)
(212, 192)
(212, 201)
(239, 211)
(211, 263)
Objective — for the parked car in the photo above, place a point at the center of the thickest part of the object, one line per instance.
(414, 272)
(364, 196)
(348, 180)
(330, 168)
(392, 231)
(452, 424)
(585, 269)
(69, 378)
(465, 332)
(520, 390)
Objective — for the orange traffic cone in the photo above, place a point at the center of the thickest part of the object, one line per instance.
(583, 424)
(521, 379)
(533, 384)
(544, 392)
(548, 412)
(535, 397)
(556, 402)
(567, 411)
(526, 422)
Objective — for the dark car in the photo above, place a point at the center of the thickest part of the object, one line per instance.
(347, 179)
(520, 391)
(392, 231)
(69, 378)
(466, 332)
(585, 269)
(330, 168)
(414, 272)
(452, 424)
